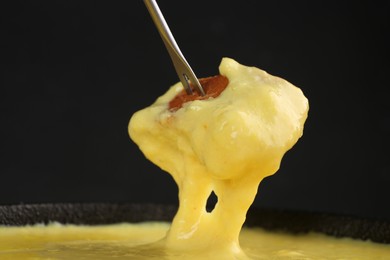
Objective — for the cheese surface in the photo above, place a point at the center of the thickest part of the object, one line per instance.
(225, 145)
(141, 242)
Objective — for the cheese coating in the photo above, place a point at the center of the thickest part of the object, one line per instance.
(226, 144)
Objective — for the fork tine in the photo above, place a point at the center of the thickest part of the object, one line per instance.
(183, 69)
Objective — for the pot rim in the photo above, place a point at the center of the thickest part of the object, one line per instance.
(291, 221)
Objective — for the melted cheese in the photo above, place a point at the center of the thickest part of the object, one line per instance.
(140, 241)
(226, 144)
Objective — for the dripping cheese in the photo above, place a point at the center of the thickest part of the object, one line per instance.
(226, 144)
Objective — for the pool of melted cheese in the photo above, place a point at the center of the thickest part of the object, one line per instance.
(225, 145)
(143, 242)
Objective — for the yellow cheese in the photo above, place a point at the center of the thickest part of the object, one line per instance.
(226, 144)
(140, 242)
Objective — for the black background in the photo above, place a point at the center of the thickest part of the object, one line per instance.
(73, 73)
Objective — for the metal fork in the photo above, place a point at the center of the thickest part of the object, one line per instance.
(183, 69)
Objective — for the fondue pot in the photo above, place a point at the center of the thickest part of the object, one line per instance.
(376, 230)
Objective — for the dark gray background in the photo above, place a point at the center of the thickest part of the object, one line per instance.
(73, 72)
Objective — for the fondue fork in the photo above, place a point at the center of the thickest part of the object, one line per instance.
(183, 69)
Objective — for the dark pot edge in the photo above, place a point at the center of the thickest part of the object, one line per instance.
(290, 221)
